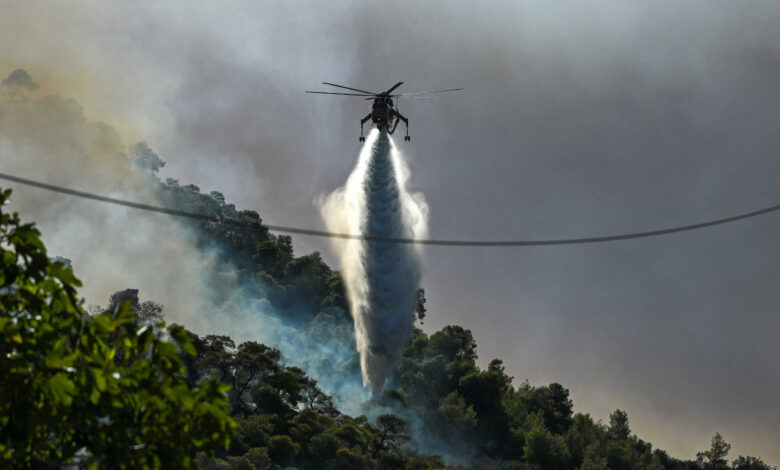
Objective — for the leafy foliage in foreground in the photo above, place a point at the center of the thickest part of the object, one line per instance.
(103, 391)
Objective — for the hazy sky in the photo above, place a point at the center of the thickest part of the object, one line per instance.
(579, 118)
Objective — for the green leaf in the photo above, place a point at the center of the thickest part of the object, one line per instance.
(100, 379)
(60, 374)
(183, 339)
(105, 321)
(64, 274)
(61, 388)
(94, 396)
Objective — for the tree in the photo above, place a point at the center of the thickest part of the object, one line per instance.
(18, 80)
(456, 412)
(715, 457)
(618, 425)
(282, 448)
(750, 463)
(273, 255)
(558, 418)
(144, 158)
(593, 461)
(552, 401)
(581, 437)
(215, 355)
(545, 449)
(420, 304)
(252, 361)
(67, 398)
(426, 462)
(149, 312)
(316, 399)
(390, 434)
(455, 343)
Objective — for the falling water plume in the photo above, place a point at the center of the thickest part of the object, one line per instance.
(381, 277)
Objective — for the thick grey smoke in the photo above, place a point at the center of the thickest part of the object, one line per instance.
(50, 139)
(381, 278)
(580, 117)
(112, 248)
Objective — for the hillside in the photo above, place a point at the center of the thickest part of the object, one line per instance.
(440, 411)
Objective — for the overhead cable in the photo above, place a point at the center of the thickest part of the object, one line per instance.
(349, 236)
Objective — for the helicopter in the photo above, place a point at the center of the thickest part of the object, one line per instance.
(384, 113)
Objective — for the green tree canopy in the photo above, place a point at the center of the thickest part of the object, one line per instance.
(618, 425)
(715, 457)
(103, 391)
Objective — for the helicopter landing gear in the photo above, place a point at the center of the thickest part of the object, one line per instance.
(406, 123)
(363, 121)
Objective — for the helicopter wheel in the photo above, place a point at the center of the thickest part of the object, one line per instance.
(361, 139)
(407, 138)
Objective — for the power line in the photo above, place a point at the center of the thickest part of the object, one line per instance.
(323, 233)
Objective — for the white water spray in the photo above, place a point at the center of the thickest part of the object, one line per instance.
(381, 278)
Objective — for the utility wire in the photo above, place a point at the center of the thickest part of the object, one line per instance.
(347, 236)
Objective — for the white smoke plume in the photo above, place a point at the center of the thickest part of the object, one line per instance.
(381, 278)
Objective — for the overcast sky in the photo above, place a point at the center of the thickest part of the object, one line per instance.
(579, 118)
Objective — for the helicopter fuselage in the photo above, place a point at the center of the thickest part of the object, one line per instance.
(383, 113)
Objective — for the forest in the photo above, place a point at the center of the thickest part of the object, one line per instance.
(118, 387)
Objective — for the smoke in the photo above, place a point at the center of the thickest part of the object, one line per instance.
(112, 248)
(49, 139)
(381, 278)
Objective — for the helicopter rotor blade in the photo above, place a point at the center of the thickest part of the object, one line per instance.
(429, 92)
(343, 94)
(393, 88)
(408, 97)
(348, 88)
